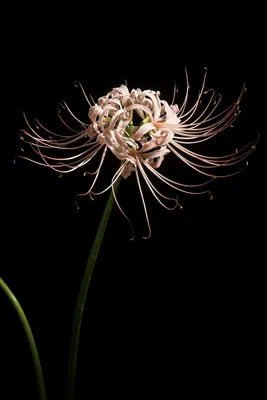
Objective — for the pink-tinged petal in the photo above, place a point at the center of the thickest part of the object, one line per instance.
(148, 146)
(128, 170)
(163, 128)
(157, 153)
(162, 136)
(155, 164)
(155, 101)
(143, 130)
(94, 112)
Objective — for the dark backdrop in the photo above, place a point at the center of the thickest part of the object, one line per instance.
(199, 276)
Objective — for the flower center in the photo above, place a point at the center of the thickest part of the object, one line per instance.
(132, 125)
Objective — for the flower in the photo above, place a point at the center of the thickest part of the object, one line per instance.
(141, 146)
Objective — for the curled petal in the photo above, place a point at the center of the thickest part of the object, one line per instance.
(157, 153)
(163, 128)
(143, 130)
(162, 136)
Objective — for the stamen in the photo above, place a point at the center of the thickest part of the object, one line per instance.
(164, 128)
(181, 207)
(75, 201)
(78, 84)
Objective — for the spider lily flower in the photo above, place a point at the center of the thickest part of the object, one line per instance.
(141, 146)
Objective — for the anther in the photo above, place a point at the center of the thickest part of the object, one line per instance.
(75, 201)
(77, 84)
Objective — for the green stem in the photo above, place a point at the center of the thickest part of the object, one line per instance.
(29, 335)
(76, 327)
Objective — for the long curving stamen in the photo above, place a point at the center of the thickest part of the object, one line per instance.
(78, 84)
(144, 204)
(153, 189)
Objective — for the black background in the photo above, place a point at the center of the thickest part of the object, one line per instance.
(198, 278)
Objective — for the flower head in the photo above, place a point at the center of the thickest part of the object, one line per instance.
(141, 129)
